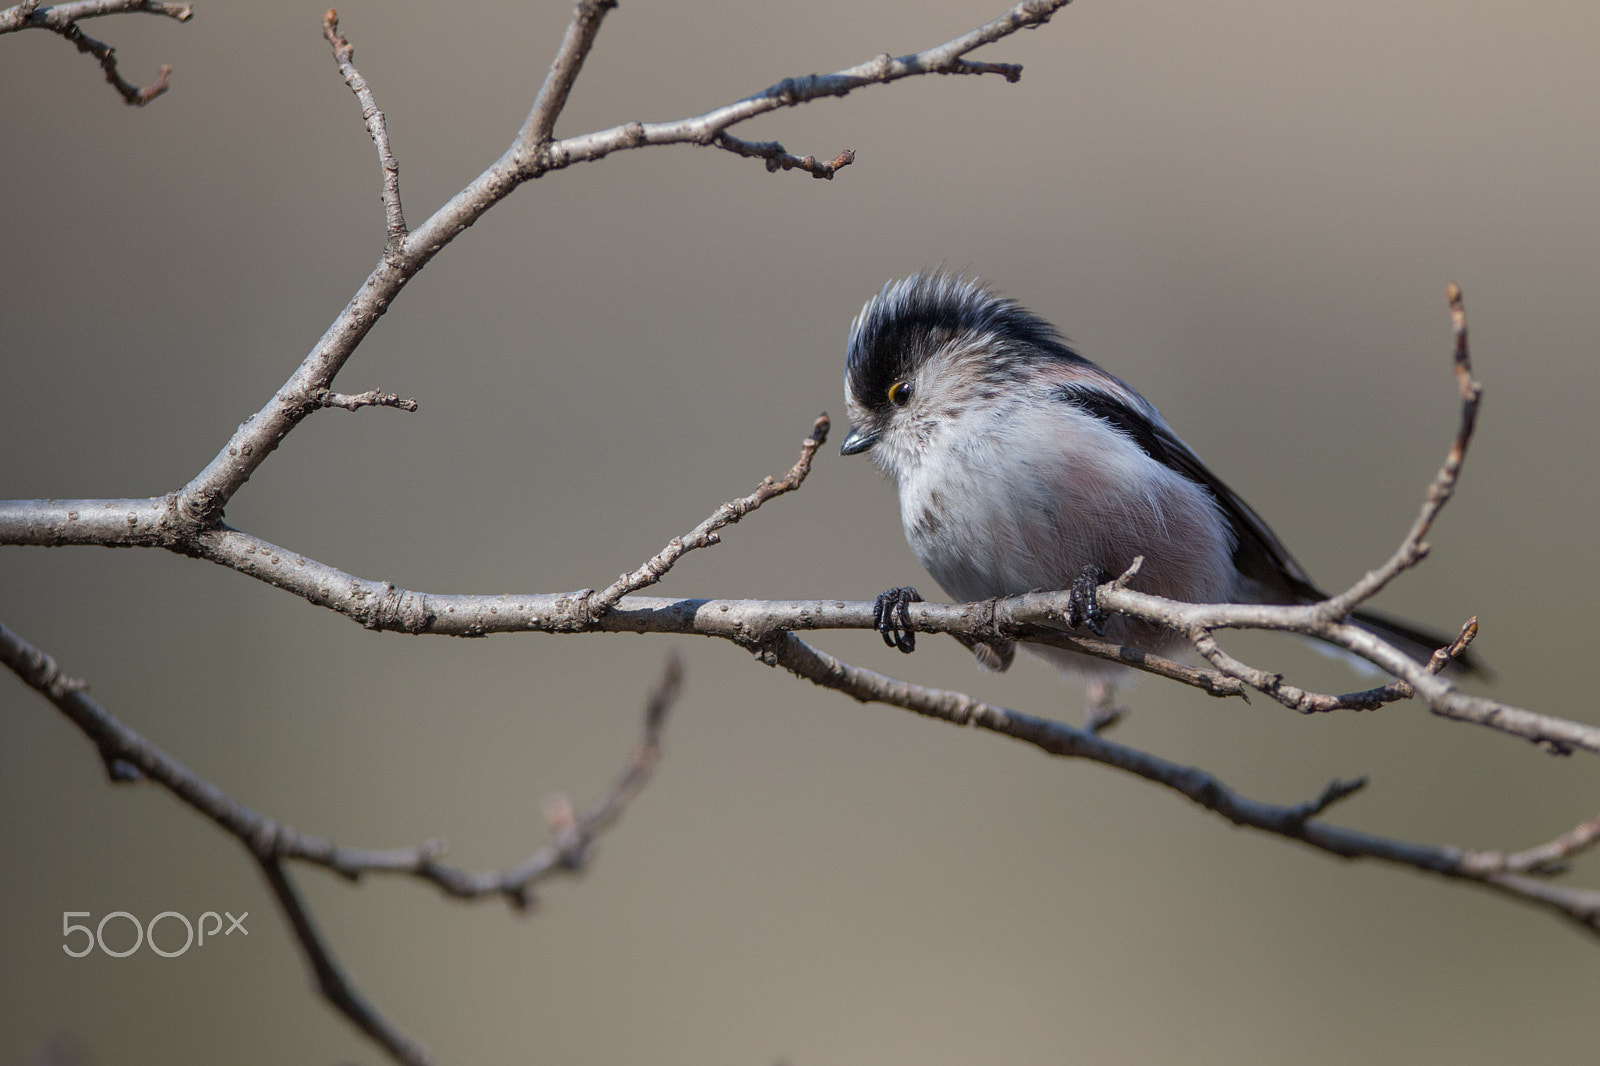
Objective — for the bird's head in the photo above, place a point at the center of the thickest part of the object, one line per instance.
(927, 351)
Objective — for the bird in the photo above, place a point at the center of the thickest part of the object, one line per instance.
(1022, 466)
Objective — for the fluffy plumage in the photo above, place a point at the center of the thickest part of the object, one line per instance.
(1019, 463)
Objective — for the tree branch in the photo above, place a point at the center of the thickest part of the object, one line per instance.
(62, 19)
(552, 98)
(377, 126)
(29, 13)
(370, 398)
(334, 984)
(1297, 822)
(705, 534)
(128, 756)
(778, 157)
(946, 58)
(199, 504)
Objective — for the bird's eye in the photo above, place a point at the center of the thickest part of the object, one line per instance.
(900, 393)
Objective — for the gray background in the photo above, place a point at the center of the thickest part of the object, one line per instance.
(1248, 209)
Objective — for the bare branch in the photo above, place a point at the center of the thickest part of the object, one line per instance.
(705, 534)
(62, 19)
(778, 157)
(335, 986)
(1414, 548)
(377, 126)
(198, 505)
(1545, 859)
(56, 16)
(270, 842)
(381, 605)
(1373, 698)
(790, 92)
(1211, 682)
(370, 398)
(1297, 822)
(568, 851)
(564, 69)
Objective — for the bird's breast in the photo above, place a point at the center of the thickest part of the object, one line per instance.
(1007, 505)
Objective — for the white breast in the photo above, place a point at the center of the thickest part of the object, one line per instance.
(1015, 497)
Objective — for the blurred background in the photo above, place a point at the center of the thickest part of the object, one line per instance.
(1249, 209)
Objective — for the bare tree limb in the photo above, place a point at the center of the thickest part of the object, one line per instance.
(1035, 616)
(61, 15)
(1297, 822)
(55, 16)
(62, 19)
(377, 126)
(199, 504)
(946, 58)
(268, 839)
(574, 49)
(334, 984)
(128, 756)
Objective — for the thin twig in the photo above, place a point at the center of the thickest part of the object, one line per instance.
(705, 534)
(377, 126)
(1545, 859)
(1373, 698)
(779, 158)
(62, 19)
(1414, 547)
(568, 850)
(370, 398)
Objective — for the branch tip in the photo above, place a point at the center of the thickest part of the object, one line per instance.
(779, 158)
(597, 605)
(377, 126)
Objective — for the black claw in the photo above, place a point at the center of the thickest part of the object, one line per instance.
(1083, 605)
(891, 616)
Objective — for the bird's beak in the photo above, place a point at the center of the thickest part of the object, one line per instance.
(859, 440)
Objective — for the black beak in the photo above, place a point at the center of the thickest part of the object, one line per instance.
(858, 441)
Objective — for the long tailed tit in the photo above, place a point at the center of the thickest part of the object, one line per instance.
(1021, 466)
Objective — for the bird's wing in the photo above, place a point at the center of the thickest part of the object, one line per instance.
(1258, 554)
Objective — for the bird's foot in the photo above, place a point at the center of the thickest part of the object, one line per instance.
(1083, 602)
(891, 617)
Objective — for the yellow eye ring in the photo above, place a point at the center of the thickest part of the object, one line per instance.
(900, 393)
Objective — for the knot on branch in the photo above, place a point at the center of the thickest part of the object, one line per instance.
(393, 610)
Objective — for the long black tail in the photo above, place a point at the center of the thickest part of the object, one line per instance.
(1416, 641)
